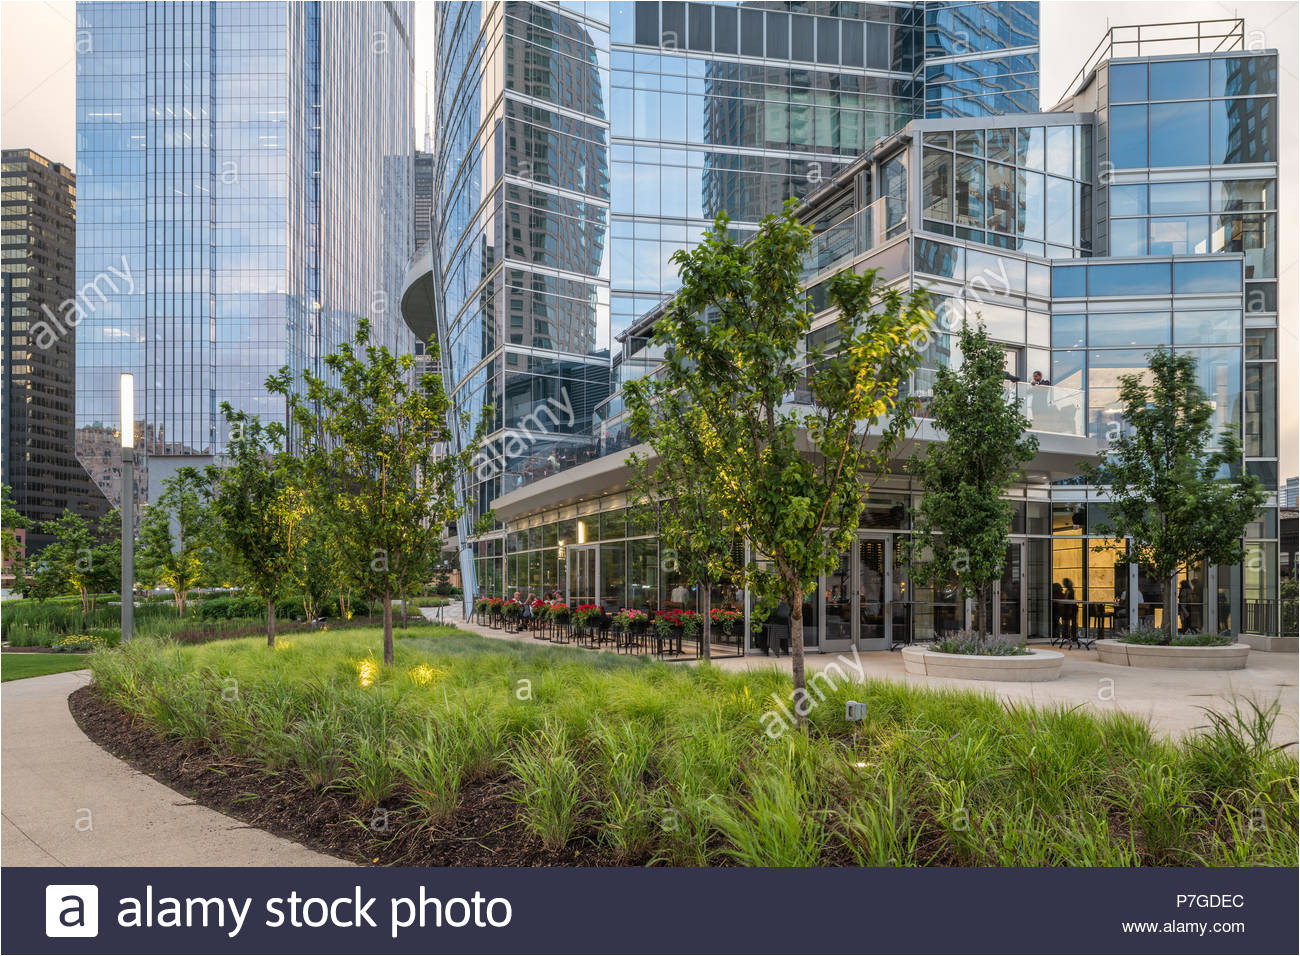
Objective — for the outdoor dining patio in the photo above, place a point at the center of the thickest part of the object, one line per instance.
(668, 635)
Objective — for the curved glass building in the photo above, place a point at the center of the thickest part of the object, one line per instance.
(587, 142)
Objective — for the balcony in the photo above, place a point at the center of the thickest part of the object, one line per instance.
(850, 238)
(1049, 408)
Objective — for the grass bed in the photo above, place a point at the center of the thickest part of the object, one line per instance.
(17, 666)
(636, 762)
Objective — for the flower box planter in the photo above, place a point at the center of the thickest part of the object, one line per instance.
(1037, 665)
(1230, 657)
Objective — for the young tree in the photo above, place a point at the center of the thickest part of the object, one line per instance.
(790, 436)
(692, 524)
(369, 442)
(963, 525)
(1167, 495)
(247, 499)
(78, 559)
(311, 559)
(10, 521)
(177, 560)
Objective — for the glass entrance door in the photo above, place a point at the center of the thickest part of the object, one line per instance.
(1005, 602)
(873, 593)
(837, 632)
(581, 586)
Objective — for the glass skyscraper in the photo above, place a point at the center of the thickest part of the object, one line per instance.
(249, 165)
(582, 143)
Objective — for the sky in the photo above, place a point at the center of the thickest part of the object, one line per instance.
(38, 94)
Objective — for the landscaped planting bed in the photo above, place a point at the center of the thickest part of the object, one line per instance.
(471, 751)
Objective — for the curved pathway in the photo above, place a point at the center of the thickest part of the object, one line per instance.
(66, 802)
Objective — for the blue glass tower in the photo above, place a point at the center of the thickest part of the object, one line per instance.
(246, 178)
(583, 143)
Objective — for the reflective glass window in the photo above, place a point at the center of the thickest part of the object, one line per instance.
(1252, 235)
(1067, 368)
(1180, 133)
(1128, 136)
(1261, 344)
(1038, 279)
(1259, 423)
(936, 179)
(969, 192)
(1128, 200)
(673, 32)
(1212, 276)
(1139, 278)
(1128, 237)
(1030, 213)
(1243, 75)
(724, 29)
(1060, 150)
(1205, 327)
(1128, 82)
(1069, 282)
(970, 141)
(1181, 235)
(751, 32)
(1060, 211)
(1001, 145)
(1001, 197)
(1179, 79)
(1029, 147)
(1127, 329)
(701, 35)
(939, 259)
(1242, 195)
(851, 45)
(801, 37)
(828, 40)
(778, 35)
(1244, 130)
(1179, 197)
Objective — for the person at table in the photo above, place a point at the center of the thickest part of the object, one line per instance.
(1071, 611)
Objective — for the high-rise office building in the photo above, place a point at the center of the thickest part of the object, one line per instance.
(250, 166)
(581, 144)
(38, 216)
(422, 198)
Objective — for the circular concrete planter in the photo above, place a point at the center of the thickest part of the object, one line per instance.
(1035, 666)
(1230, 657)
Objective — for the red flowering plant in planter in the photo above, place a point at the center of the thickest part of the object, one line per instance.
(558, 612)
(631, 619)
(510, 608)
(688, 622)
(727, 618)
(585, 614)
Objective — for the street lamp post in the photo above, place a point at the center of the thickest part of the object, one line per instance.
(127, 431)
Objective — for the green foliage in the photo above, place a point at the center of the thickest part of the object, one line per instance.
(10, 521)
(248, 500)
(178, 541)
(1201, 640)
(962, 525)
(79, 559)
(968, 643)
(1145, 635)
(1166, 493)
(776, 444)
(664, 764)
(368, 430)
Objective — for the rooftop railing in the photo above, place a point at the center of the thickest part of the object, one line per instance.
(1163, 39)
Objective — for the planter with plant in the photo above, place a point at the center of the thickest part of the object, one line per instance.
(1152, 647)
(964, 655)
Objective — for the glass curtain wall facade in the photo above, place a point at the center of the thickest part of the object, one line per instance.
(583, 143)
(251, 164)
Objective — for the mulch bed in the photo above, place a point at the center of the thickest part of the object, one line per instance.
(483, 831)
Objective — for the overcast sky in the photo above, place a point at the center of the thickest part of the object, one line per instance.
(38, 91)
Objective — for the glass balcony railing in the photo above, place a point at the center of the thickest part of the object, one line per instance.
(858, 234)
(1049, 408)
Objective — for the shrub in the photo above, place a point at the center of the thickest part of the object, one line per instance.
(1201, 640)
(968, 642)
(79, 642)
(1146, 635)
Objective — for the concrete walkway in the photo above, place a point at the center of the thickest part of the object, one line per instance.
(66, 802)
(1173, 702)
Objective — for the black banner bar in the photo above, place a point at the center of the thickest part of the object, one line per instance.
(136, 910)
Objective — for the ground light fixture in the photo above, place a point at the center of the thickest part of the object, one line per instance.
(127, 433)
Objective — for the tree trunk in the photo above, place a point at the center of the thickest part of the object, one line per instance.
(403, 608)
(1171, 609)
(270, 622)
(708, 619)
(796, 656)
(388, 628)
(979, 612)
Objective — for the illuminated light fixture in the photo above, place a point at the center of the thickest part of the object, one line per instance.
(126, 434)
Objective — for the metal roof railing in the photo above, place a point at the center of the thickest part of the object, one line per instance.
(1163, 39)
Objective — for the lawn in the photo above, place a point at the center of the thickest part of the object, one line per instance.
(650, 762)
(18, 666)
